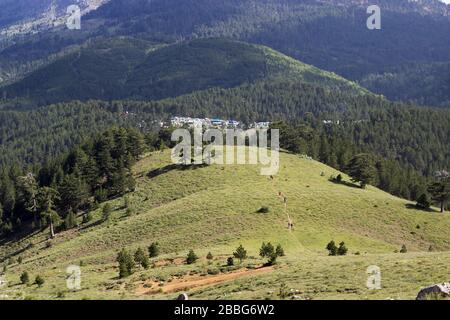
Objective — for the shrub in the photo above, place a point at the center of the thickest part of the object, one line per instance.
(87, 217)
(342, 250)
(24, 278)
(39, 281)
(279, 251)
(332, 248)
(284, 292)
(106, 212)
(153, 250)
(263, 210)
(403, 249)
(126, 202)
(129, 212)
(191, 257)
(230, 261)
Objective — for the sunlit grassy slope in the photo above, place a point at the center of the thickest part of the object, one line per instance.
(215, 209)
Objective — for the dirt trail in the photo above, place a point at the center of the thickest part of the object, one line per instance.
(190, 282)
(283, 198)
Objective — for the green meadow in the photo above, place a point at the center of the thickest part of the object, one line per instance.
(215, 209)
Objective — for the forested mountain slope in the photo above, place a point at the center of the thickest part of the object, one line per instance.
(331, 35)
(124, 68)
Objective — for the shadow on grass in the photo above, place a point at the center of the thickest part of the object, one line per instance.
(415, 207)
(345, 183)
(173, 167)
(93, 224)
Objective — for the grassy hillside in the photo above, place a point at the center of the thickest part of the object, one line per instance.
(215, 209)
(123, 68)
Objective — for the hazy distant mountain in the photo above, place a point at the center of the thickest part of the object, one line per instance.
(329, 34)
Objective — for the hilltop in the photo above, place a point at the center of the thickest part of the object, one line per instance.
(214, 209)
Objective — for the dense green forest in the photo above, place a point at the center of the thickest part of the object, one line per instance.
(126, 68)
(90, 173)
(413, 136)
(328, 34)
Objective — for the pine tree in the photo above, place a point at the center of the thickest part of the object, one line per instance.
(74, 193)
(191, 257)
(30, 189)
(423, 201)
(126, 263)
(153, 249)
(240, 253)
(332, 248)
(362, 169)
(440, 190)
(39, 281)
(342, 250)
(140, 258)
(71, 220)
(268, 251)
(209, 256)
(48, 196)
(24, 278)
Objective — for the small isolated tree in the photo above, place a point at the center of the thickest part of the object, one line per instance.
(339, 178)
(230, 261)
(153, 250)
(39, 281)
(362, 169)
(342, 250)
(106, 212)
(126, 263)
(209, 256)
(141, 258)
(440, 189)
(268, 251)
(24, 278)
(423, 202)
(332, 248)
(240, 253)
(403, 249)
(279, 251)
(48, 196)
(191, 257)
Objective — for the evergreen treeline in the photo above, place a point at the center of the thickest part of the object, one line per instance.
(417, 138)
(91, 173)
